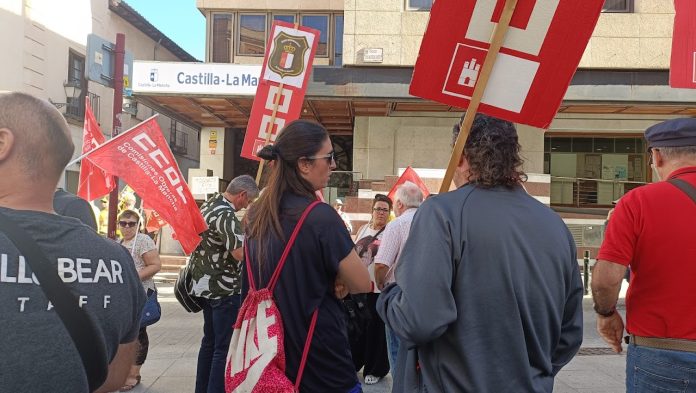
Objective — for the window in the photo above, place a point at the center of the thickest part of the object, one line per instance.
(419, 5)
(618, 6)
(252, 35)
(285, 18)
(221, 36)
(76, 73)
(338, 40)
(321, 23)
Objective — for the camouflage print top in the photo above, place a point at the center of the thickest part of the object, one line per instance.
(215, 274)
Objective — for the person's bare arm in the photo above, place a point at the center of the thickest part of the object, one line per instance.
(238, 253)
(381, 274)
(352, 276)
(119, 367)
(153, 264)
(606, 284)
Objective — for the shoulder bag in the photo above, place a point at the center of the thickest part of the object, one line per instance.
(77, 321)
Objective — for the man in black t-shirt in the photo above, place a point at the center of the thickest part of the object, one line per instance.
(38, 353)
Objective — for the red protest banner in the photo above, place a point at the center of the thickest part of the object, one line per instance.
(142, 158)
(282, 85)
(682, 68)
(409, 175)
(94, 182)
(153, 220)
(540, 53)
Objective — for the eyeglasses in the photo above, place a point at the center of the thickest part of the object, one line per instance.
(329, 157)
(127, 224)
(380, 209)
(650, 157)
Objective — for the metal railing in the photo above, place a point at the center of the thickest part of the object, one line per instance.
(584, 192)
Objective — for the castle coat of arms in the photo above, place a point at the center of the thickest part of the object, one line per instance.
(287, 57)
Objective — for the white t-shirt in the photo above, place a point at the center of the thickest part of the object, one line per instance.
(142, 244)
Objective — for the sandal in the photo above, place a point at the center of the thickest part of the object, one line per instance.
(371, 379)
(129, 387)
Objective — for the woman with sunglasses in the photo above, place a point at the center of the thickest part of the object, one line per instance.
(147, 263)
(369, 344)
(321, 267)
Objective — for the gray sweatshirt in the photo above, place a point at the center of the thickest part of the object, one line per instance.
(488, 295)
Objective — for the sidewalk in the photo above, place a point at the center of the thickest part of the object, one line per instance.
(174, 343)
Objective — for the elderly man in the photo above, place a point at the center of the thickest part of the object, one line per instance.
(652, 229)
(215, 270)
(407, 199)
(488, 296)
(38, 346)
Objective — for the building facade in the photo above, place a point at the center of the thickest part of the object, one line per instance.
(44, 49)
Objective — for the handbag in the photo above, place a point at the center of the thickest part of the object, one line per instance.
(182, 291)
(355, 306)
(79, 324)
(152, 312)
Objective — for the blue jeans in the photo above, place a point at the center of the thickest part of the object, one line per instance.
(219, 317)
(650, 370)
(393, 348)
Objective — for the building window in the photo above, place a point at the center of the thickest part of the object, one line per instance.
(338, 40)
(252, 35)
(618, 6)
(419, 5)
(321, 23)
(284, 18)
(221, 36)
(75, 107)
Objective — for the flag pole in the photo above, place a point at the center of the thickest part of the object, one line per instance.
(276, 103)
(269, 128)
(497, 40)
(116, 137)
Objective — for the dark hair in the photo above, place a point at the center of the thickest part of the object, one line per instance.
(382, 198)
(493, 152)
(300, 138)
(43, 140)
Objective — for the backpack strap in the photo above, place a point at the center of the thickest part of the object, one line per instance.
(281, 263)
(276, 273)
(685, 186)
(305, 351)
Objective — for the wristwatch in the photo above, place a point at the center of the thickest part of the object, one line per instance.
(604, 314)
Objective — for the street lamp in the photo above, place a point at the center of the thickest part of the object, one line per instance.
(73, 90)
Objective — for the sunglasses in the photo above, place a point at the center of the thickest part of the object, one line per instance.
(329, 157)
(127, 224)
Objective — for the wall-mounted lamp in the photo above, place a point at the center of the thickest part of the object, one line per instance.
(73, 90)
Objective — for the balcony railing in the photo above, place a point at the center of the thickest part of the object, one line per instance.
(582, 192)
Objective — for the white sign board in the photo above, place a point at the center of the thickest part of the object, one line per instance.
(373, 55)
(195, 78)
(205, 185)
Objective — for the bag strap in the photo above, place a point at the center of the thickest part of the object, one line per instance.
(685, 186)
(77, 321)
(305, 351)
(276, 273)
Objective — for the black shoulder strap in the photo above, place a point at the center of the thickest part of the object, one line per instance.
(685, 186)
(78, 323)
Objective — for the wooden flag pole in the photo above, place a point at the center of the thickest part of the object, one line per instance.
(276, 103)
(496, 43)
(269, 129)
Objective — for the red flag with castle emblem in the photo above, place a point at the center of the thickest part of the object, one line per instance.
(142, 158)
(409, 175)
(94, 182)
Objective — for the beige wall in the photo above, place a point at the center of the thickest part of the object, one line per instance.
(382, 145)
(641, 39)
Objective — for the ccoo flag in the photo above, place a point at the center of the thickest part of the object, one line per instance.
(682, 68)
(94, 182)
(409, 175)
(142, 158)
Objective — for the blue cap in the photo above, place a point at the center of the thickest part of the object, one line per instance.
(672, 133)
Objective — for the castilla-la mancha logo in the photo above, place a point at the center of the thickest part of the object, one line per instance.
(287, 57)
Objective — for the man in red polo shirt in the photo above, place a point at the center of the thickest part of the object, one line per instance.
(653, 229)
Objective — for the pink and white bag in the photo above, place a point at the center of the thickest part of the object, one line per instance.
(256, 358)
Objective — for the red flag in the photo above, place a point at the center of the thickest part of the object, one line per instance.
(154, 220)
(94, 182)
(142, 158)
(682, 68)
(409, 175)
